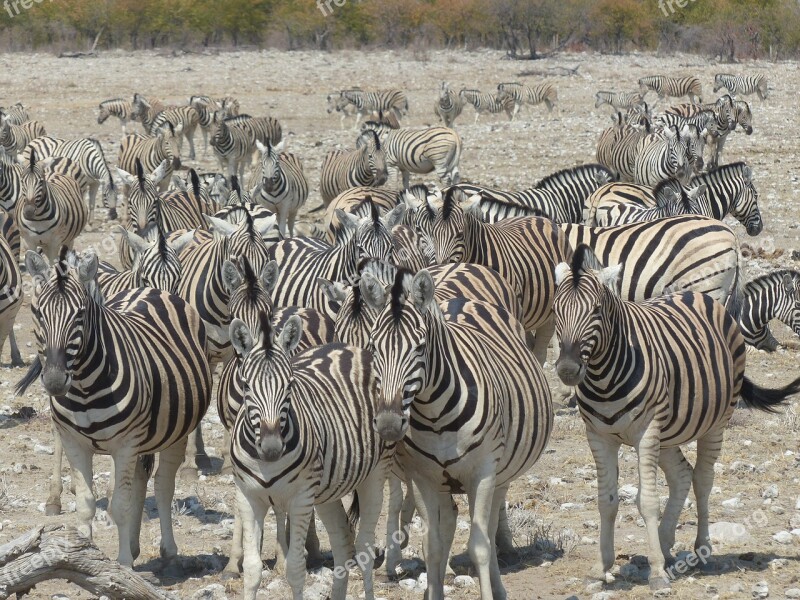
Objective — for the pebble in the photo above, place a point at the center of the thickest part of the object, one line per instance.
(462, 581)
(729, 533)
(408, 584)
(771, 491)
(732, 502)
(595, 586)
(215, 591)
(572, 506)
(422, 580)
(274, 586)
(602, 596)
(783, 537)
(737, 588)
(794, 521)
(761, 590)
(628, 493)
(792, 593)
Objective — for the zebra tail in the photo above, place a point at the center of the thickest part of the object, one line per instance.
(354, 512)
(148, 462)
(767, 399)
(735, 301)
(32, 375)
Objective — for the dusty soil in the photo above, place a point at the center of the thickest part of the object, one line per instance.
(553, 508)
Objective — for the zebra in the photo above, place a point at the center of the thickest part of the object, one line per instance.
(338, 103)
(390, 100)
(722, 109)
(10, 185)
(16, 114)
(680, 386)
(364, 166)
(206, 107)
(138, 355)
(742, 84)
(686, 252)
(560, 196)
(357, 201)
(775, 295)
(670, 200)
(50, 211)
(673, 87)
(618, 100)
(299, 415)
(304, 263)
(523, 94)
(742, 116)
(87, 154)
(115, 107)
(233, 144)
(193, 184)
(420, 151)
(14, 138)
(441, 364)
(184, 119)
(151, 152)
(618, 145)
(523, 250)
(266, 130)
(487, 102)
(145, 110)
(448, 106)
(660, 156)
(11, 297)
(284, 187)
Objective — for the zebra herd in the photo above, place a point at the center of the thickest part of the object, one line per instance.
(406, 340)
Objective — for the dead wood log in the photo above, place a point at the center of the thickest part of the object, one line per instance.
(60, 552)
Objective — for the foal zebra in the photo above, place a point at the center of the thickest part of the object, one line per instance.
(115, 107)
(283, 187)
(775, 295)
(488, 102)
(301, 416)
(742, 84)
(655, 376)
(674, 87)
(448, 106)
(459, 387)
(127, 376)
(364, 166)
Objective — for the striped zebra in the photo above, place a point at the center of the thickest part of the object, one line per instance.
(301, 413)
(357, 201)
(304, 264)
(523, 94)
(390, 100)
(10, 185)
(345, 169)
(680, 386)
(284, 187)
(672, 87)
(524, 251)
(194, 184)
(233, 145)
(464, 367)
(50, 210)
(338, 103)
(151, 152)
(723, 111)
(88, 156)
(448, 106)
(14, 138)
(420, 151)
(687, 252)
(138, 355)
(670, 200)
(775, 295)
(184, 119)
(618, 145)
(487, 103)
(742, 85)
(206, 107)
(16, 114)
(660, 156)
(145, 110)
(11, 296)
(115, 107)
(742, 116)
(266, 130)
(618, 100)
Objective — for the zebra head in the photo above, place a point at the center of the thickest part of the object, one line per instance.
(33, 194)
(249, 291)
(719, 81)
(694, 141)
(371, 234)
(61, 306)
(155, 263)
(724, 110)
(272, 177)
(447, 233)
(788, 300)
(104, 114)
(267, 379)
(143, 196)
(245, 239)
(373, 157)
(744, 116)
(167, 136)
(399, 345)
(745, 202)
(582, 304)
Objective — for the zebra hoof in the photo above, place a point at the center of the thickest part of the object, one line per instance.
(52, 509)
(230, 575)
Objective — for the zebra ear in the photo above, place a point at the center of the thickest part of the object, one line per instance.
(261, 147)
(349, 221)
(87, 268)
(291, 333)
(609, 276)
(562, 270)
(788, 283)
(372, 291)
(127, 178)
(241, 338)
(395, 216)
(160, 172)
(136, 242)
(422, 288)
(37, 266)
(697, 192)
(334, 291)
(279, 147)
(231, 276)
(747, 174)
(220, 226)
(269, 275)
(179, 183)
(472, 206)
(184, 240)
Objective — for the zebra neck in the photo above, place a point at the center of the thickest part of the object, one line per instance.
(93, 360)
(439, 347)
(348, 258)
(717, 200)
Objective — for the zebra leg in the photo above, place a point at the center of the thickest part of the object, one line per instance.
(435, 554)
(80, 459)
(121, 507)
(313, 552)
(370, 495)
(406, 176)
(648, 449)
(679, 479)
(227, 467)
(605, 453)
(282, 551)
(190, 138)
(234, 566)
(498, 508)
(447, 523)
(394, 535)
(168, 462)
(16, 357)
(708, 449)
(407, 512)
(251, 513)
(503, 539)
(93, 187)
(53, 505)
(140, 478)
(196, 457)
(334, 517)
(544, 333)
(481, 500)
(301, 511)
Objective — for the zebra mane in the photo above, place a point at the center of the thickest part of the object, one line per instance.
(110, 100)
(140, 174)
(195, 182)
(558, 175)
(374, 213)
(399, 293)
(265, 333)
(374, 135)
(734, 166)
(583, 259)
(250, 278)
(448, 202)
(62, 264)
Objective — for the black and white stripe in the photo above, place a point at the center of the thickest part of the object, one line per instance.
(115, 107)
(524, 94)
(283, 187)
(11, 296)
(742, 85)
(672, 87)
(448, 105)
(618, 100)
(184, 120)
(345, 169)
(660, 156)
(487, 102)
(233, 143)
(775, 295)
(16, 114)
(14, 138)
(151, 152)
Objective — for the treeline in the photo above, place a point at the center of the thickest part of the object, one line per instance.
(730, 29)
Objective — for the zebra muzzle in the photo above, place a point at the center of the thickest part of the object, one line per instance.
(390, 426)
(270, 443)
(570, 370)
(55, 379)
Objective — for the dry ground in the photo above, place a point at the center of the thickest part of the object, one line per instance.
(553, 508)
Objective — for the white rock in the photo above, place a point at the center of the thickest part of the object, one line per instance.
(462, 581)
(729, 533)
(732, 502)
(761, 590)
(422, 580)
(737, 588)
(628, 493)
(572, 506)
(792, 593)
(408, 584)
(42, 449)
(215, 591)
(595, 586)
(771, 491)
(783, 537)
(602, 596)
(275, 585)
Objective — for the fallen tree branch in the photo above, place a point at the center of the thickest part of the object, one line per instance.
(59, 552)
(75, 54)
